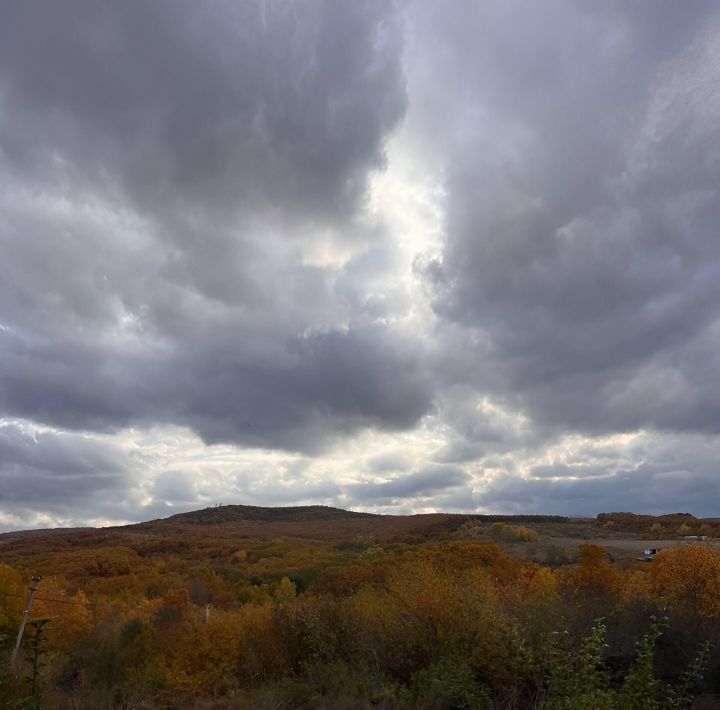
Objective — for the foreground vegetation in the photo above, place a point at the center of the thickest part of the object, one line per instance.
(220, 622)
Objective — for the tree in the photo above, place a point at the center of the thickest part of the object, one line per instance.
(13, 595)
(688, 578)
(286, 590)
(70, 615)
(36, 647)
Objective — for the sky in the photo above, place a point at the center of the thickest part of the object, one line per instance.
(399, 257)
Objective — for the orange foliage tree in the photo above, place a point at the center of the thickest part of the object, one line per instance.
(70, 616)
(688, 578)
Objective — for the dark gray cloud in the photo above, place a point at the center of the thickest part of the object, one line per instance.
(426, 482)
(222, 106)
(646, 490)
(316, 386)
(389, 462)
(582, 252)
(167, 171)
(642, 472)
(66, 473)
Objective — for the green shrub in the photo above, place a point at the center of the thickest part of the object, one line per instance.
(447, 685)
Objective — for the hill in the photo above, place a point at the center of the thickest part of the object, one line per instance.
(218, 515)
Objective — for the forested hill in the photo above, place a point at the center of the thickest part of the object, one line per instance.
(251, 513)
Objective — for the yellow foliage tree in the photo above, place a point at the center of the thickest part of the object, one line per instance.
(538, 584)
(634, 585)
(595, 573)
(70, 615)
(286, 591)
(207, 661)
(12, 598)
(688, 578)
(432, 609)
(525, 534)
(262, 652)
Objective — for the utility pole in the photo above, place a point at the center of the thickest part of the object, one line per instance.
(26, 614)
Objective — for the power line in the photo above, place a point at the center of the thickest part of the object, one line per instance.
(43, 599)
(72, 601)
(59, 601)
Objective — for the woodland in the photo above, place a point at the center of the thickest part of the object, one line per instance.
(235, 607)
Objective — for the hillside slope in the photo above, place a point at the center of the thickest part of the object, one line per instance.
(251, 513)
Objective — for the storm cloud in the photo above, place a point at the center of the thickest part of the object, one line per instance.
(397, 256)
(60, 474)
(582, 246)
(168, 171)
(418, 483)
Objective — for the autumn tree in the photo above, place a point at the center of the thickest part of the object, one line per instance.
(688, 578)
(70, 615)
(12, 598)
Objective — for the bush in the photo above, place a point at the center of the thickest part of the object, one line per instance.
(447, 685)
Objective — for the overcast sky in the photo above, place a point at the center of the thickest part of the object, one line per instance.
(392, 257)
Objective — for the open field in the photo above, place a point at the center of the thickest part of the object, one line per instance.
(619, 548)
